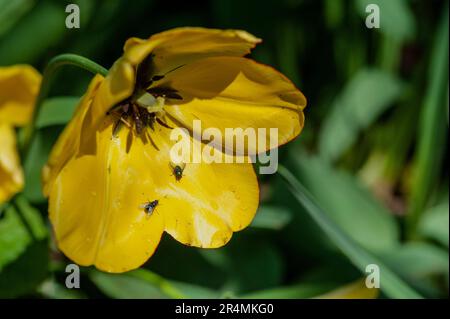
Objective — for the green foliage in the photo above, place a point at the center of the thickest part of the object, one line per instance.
(348, 204)
(363, 183)
(393, 286)
(57, 111)
(396, 18)
(420, 264)
(23, 249)
(145, 286)
(12, 11)
(13, 236)
(34, 35)
(433, 126)
(292, 292)
(434, 223)
(271, 217)
(37, 157)
(369, 93)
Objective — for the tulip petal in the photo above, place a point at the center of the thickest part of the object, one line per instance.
(68, 142)
(19, 87)
(207, 204)
(95, 205)
(184, 45)
(234, 92)
(11, 175)
(169, 49)
(117, 86)
(96, 200)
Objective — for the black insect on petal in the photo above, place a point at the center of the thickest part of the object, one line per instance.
(149, 207)
(177, 170)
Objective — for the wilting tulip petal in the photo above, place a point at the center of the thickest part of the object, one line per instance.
(95, 205)
(19, 87)
(96, 202)
(181, 46)
(11, 175)
(233, 92)
(68, 142)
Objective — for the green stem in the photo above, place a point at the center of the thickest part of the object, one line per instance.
(49, 73)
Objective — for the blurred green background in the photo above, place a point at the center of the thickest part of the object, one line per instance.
(373, 153)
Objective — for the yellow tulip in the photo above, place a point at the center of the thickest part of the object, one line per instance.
(112, 190)
(19, 87)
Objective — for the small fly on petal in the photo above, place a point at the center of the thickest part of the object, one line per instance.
(177, 170)
(149, 207)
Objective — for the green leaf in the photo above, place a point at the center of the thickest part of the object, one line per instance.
(419, 264)
(433, 131)
(418, 260)
(287, 45)
(393, 286)
(251, 263)
(54, 290)
(362, 101)
(124, 286)
(355, 290)
(194, 291)
(196, 269)
(23, 250)
(304, 290)
(36, 159)
(271, 217)
(348, 203)
(434, 223)
(27, 272)
(144, 284)
(396, 17)
(14, 237)
(57, 111)
(33, 36)
(32, 218)
(333, 12)
(11, 12)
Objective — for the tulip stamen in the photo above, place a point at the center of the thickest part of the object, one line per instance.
(141, 116)
(152, 141)
(162, 123)
(145, 107)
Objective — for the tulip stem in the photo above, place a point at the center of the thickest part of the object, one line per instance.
(48, 76)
